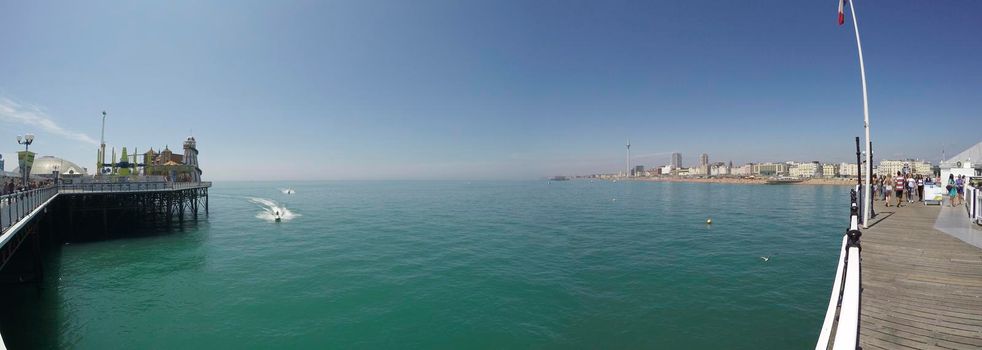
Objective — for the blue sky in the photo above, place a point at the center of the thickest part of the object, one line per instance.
(485, 90)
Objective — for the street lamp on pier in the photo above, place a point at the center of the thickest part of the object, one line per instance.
(24, 168)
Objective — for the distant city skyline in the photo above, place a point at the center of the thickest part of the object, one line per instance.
(698, 163)
(484, 90)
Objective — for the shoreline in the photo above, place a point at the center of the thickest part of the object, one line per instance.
(741, 181)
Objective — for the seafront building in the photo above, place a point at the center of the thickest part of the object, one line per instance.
(909, 166)
(720, 169)
(809, 169)
(704, 166)
(848, 169)
(804, 170)
(743, 170)
(676, 160)
(770, 169)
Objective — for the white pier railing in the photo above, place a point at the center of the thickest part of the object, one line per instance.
(15, 210)
(102, 187)
(16, 206)
(973, 203)
(840, 330)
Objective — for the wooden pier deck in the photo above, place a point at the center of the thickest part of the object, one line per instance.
(922, 288)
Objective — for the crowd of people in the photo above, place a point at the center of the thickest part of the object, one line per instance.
(14, 185)
(904, 188)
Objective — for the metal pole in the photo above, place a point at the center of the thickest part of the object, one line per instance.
(859, 164)
(859, 181)
(628, 173)
(862, 73)
(102, 143)
(23, 169)
(872, 211)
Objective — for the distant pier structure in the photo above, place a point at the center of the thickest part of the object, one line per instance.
(191, 158)
(124, 198)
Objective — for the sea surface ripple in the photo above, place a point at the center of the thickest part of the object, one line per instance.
(427, 264)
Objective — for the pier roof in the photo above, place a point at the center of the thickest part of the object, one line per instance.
(973, 153)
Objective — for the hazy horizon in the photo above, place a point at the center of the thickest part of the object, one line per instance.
(435, 90)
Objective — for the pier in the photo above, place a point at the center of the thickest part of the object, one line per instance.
(87, 211)
(921, 279)
(911, 280)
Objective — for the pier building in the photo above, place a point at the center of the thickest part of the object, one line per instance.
(167, 163)
(48, 165)
(968, 163)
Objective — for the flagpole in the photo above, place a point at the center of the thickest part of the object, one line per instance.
(867, 199)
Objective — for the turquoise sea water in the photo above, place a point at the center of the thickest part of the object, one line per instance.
(575, 264)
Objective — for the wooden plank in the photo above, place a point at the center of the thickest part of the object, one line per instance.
(922, 288)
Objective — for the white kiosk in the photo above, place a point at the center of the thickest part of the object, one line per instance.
(965, 163)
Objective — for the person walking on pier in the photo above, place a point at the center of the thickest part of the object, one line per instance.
(960, 185)
(906, 188)
(952, 190)
(920, 188)
(874, 188)
(885, 183)
(898, 185)
(911, 187)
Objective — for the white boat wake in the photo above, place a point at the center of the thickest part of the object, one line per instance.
(270, 208)
(287, 191)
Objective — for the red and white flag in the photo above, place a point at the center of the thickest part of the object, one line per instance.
(842, 12)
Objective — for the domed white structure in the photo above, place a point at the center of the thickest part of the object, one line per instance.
(48, 164)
